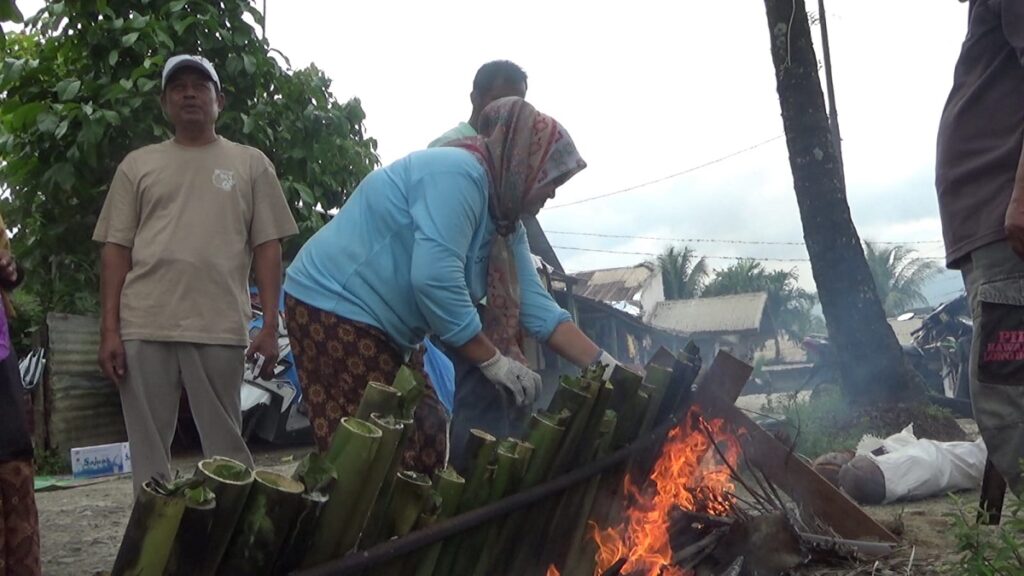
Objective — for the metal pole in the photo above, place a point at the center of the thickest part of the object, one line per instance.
(833, 115)
(264, 19)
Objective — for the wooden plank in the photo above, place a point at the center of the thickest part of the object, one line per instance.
(799, 481)
(725, 378)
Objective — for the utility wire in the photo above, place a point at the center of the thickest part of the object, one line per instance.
(719, 241)
(670, 176)
(631, 253)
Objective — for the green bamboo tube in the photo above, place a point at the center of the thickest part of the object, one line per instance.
(478, 554)
(193, 534)
(658, 378)
(146, 547)
(553, 519)
(570, 395)
(575, 557)
(378, 399)
(582, 406)
(352, 449)
(592, 430)
(415, 504)
(412, 491)
(544, 435)
(270, 511)
(230, 482)
(449, 486)
(626, 384)
(478, 472)
(373, 529)
(631, 420)
(481, 447)
(301, 536)
(391, 434)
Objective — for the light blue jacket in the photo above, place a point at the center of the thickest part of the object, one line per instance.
(408, 253)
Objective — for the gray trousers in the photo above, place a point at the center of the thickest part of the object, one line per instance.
(156, 372)
(994, 277)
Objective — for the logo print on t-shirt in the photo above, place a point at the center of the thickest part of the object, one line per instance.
(224, 179)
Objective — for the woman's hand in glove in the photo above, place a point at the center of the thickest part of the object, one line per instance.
(524, 383)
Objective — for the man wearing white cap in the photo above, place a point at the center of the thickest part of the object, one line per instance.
(182, 223)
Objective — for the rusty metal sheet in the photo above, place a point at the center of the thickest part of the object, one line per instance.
(83, 407)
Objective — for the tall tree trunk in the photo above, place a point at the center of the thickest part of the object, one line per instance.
(870, 359)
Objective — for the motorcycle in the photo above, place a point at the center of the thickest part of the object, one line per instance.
(272, 410)
(939, 353)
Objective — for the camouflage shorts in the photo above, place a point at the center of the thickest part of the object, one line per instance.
(994, 277)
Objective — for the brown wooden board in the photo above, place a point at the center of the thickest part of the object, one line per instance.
(780, 464)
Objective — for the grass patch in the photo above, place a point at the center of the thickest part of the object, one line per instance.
(989, 550)
(820, 425)
(52, 463)
(829, 423)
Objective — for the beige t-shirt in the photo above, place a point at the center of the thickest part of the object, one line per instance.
(191, 217)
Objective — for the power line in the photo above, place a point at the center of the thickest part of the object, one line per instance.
(631, 253)
(719, 241)
(670, 176)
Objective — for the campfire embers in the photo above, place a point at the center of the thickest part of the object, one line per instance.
(659, 535)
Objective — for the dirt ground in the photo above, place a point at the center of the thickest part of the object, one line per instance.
(81, 527)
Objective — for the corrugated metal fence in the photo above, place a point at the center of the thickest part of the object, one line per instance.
(83, 406)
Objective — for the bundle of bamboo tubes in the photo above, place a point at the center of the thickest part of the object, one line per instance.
(228, 519)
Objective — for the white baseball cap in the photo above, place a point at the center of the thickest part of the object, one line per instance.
(175, 63)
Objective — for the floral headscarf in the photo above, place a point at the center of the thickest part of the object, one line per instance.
(526, 153)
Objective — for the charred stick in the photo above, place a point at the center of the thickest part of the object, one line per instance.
(768, 495)
(615, 569)
(692, 555)
(753, 505)
(735, 475)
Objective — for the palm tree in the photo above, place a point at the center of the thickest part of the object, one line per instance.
(899, 276)
(789, 306)
(683, 274)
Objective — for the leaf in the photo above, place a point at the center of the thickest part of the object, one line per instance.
(68, 88)
(129, 39)
(127, 83)
(26, 114)
(112, 57)
(62, 128)
(250, 63)
(145, 84)
(306, 194)
(9, 12)
(176, 6)
(47, 122)
(183, 23)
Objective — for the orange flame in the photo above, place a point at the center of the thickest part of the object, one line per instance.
(552, 571)
(688, 474)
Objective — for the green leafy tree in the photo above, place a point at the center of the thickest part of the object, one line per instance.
(80, 90)
(8, 13)
(683, 274)
(789, 306)
(900, 276)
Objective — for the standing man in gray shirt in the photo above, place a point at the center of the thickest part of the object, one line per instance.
(979, 177)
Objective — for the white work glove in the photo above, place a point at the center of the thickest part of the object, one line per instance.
(521, 381)
(608, 362)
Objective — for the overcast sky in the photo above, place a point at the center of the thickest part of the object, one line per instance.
(648, 89)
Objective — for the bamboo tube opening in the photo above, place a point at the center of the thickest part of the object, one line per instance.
(226, 470)
(361, 427)
(279, 482)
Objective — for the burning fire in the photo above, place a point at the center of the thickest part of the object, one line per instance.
(689, 474)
